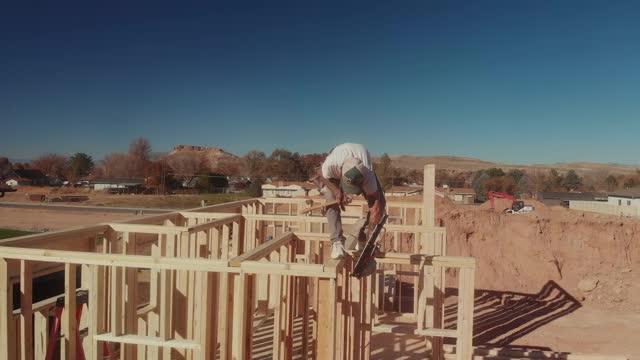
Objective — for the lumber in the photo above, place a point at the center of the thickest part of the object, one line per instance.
(214, 223)
(26, 311)
(6, 307)
(148, 341)
(135, 261)
(413, 330)
(262, 250)
(69, 325)
(146, 229)
(40, 335)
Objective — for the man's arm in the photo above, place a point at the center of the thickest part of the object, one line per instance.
(377, 204)
(336, 190)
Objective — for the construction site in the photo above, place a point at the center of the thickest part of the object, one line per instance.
(252, 279)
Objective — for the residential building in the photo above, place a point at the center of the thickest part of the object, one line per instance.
(461, 196)
(120, 185)
(286, 189)
(619, 203)
(403, 191)
(564, 198)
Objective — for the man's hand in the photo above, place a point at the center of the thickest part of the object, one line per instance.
(341, 197)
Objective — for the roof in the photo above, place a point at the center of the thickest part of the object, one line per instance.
(456, 191)
(31, 174)
(583, 196)
(121, 181)
(407, 189)
(632, 193)
(284, 184)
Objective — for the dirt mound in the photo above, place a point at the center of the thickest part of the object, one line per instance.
(522, 252)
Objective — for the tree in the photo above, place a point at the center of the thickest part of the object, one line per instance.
(212, 183)
(312, 162)
(630, 182)
(80, 164)
(502, 184)
(611, 182)
(495, 172)
(553, 181)
(186, 164)
(5, 167)
(256, 162)
(230, 166)
(54, 165)
(478, 185)
(255, 188)
(516, 175)
(385, 171)
(121, 165)
(140, 148)
(572, 181)
(286, 165)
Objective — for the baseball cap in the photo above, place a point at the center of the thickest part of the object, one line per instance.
(353, 171)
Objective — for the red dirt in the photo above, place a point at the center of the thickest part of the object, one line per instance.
(524, 252)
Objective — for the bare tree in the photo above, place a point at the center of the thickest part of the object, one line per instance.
(186, 164)
(123, 165)
(5, 167)
(52, 164)
(140, 148)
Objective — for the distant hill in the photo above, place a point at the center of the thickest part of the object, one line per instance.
(470, 164)
(213, 155)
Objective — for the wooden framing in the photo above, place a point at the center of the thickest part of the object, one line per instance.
(199, 284)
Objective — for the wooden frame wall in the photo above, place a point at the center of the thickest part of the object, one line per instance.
(212, 276)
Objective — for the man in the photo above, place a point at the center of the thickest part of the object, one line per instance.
(348, 170)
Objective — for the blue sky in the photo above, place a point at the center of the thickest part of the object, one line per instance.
(509, 81)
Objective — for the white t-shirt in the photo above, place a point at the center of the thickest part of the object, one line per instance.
(332, 166)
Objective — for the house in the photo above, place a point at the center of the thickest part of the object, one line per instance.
(32, 177)
(119, 185)
(626, 197)
(619, 203)
(564, 198)
(403, 191)
(462, 196)
(286, 189)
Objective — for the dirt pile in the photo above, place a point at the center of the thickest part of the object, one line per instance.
(522, 252)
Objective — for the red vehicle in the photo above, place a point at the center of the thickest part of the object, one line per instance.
(517, 206)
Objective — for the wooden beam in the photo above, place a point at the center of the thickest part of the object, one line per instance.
(417, 259)
(40, 335)
(413, 330)
(147, 229)
(148, 341)
(26, 311)
(69, 325)
(6, 309)
(134, 261)
(291, 269)
(54, 236)
(214, 223)
(325, 340)
(262, 250)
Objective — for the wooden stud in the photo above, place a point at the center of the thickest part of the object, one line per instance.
(40, 335)
(69, 326)
(6, 311)
(26, 311)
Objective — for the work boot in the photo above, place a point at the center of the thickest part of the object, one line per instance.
(337, 250)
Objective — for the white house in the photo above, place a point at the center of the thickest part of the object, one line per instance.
(464, 196)
(620, 203)
(403, 191)
(286, 189)
(627, 197)
(106, 184)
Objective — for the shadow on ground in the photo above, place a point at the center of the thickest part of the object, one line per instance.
(502, 317)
